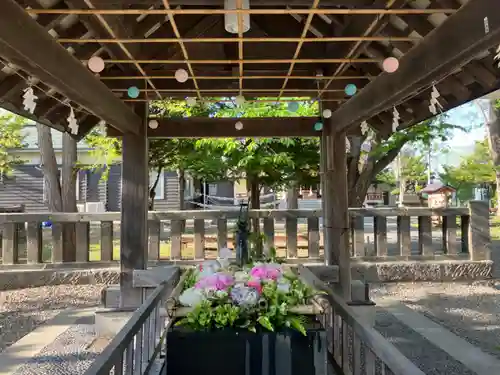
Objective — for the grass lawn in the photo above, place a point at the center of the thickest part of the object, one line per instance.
(495, 228)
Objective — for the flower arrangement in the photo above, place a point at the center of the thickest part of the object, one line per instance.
(217, 295)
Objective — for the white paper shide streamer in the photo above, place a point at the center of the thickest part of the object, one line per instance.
(497, 56)
(364, 127)
(395, 119)
(435, 106)
(29, 100)
(72, 123)
(347, 145)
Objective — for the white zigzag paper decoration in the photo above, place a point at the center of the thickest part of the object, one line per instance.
(434, 104)
(395, 119)
(497, 56)
(364, 127)
(29, 100)
(72, 123)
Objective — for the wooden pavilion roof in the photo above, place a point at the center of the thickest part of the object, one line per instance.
(143, 43)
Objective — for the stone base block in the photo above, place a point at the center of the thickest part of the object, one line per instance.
(108, 322)
(446, 270)
(22, 278)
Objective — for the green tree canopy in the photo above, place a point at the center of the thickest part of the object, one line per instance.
(11, 137)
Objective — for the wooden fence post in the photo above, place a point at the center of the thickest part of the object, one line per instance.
(479, 230)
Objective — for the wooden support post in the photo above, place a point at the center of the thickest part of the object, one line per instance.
(106, 241)
(313, 237)
(154, 229)
(479, 231)
(34, 244)
(10, 244)
(425, 235)
(380, 229)
(176, 239)
(338, 208)
(358, 235)
(450, 245)
(325, 199)
(82, 241)
(134, 212)
(404, 235)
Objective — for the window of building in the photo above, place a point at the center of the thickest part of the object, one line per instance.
(160, 187)
(212, 190)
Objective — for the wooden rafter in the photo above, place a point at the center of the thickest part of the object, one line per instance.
(352, 12)
(224, 127)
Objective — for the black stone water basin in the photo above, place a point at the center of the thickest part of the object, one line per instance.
(240, 352)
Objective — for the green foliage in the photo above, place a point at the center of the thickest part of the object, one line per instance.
(11, 137)
(190, 279)
(387, 176)
(474, 169)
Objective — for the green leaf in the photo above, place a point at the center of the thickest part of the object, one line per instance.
(297, 324)
(266, 323)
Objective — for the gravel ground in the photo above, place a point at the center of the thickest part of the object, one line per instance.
(428, 357)
(470, 310)
(22, 310)
(69, 354)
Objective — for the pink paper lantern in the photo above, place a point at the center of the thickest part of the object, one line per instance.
(390, 65)
(96, 64)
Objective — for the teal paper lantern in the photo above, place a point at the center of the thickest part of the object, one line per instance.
(133, 92)
(318, 126)
(350, 89)
(293, 106)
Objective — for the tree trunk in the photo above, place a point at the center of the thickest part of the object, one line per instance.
(292, 197)
(152, 189)
(492, 123)
(49, 169)
(69, 172)
(254, 191)
(181, 177)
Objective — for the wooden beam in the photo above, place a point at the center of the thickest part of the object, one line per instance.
(196, 127)
(34, 50)
(134, 211)
(435, 53)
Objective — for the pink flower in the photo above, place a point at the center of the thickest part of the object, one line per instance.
(266, 272)
(255, 283)
(217, 281)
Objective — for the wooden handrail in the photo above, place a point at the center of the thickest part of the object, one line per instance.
(383, 350)
(113, 353)
(225, 214)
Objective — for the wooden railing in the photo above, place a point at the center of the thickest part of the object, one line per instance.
(138, 345)
(377, 234)
(355, 347)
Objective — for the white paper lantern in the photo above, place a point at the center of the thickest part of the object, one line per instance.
(238, 125)
(239, 100)
(96, 64)
(327, 113)
(191, 101)
(231, 19)
(153, 124)
(181, 75)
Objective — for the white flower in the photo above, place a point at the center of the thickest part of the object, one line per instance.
(191, 297)
(244, 296)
